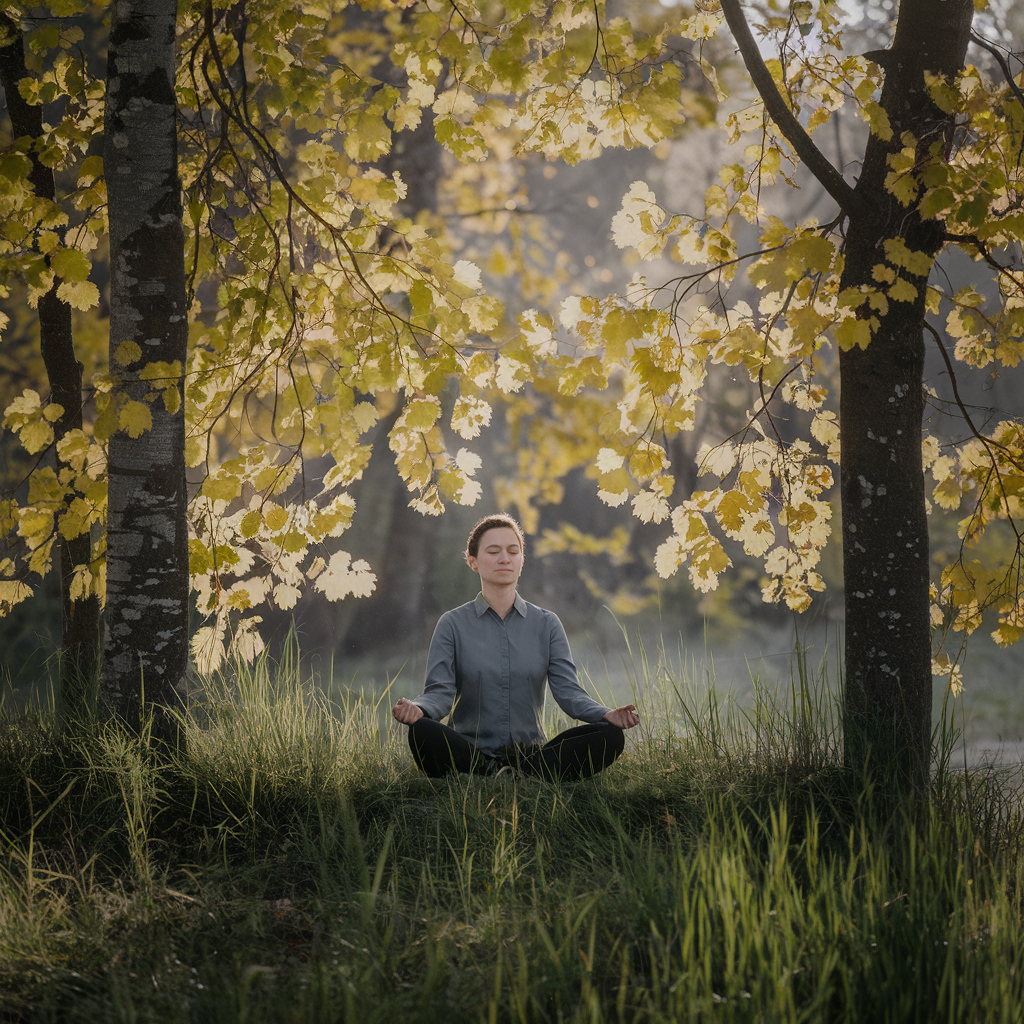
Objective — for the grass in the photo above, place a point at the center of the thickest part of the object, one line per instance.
(293, 866)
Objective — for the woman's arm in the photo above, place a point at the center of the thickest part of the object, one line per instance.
(563, 681)
(439, 688)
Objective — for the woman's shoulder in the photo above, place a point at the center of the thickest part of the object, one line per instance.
(542, 614)
(461, 613)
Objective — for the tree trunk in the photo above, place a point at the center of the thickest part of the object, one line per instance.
(394, 616)
(80, 636)
(888, 695)
(146, 650)
(888, 686)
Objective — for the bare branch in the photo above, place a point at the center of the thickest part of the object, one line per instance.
(988, 442)
(818, 164)
(1003, 66)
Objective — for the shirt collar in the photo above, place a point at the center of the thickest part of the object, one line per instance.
(481, 606)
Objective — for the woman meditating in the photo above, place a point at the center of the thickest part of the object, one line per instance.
(490, 659)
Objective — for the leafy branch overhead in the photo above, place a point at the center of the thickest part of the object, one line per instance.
(317, 304)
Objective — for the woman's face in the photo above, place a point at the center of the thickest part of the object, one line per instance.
(499, 558)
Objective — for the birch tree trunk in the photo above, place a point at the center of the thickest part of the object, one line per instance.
(146, 649)
(80, 637)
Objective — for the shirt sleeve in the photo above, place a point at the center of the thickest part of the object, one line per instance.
(562, 679)
(439, 688)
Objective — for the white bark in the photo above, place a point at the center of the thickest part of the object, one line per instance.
(146, 648)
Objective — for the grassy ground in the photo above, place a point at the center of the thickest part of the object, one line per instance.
(293, 866)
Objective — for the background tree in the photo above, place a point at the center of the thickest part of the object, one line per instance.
(80, 635)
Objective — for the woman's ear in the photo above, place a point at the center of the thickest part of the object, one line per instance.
(471, 561)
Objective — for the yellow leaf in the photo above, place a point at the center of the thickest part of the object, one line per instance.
(818, 118)
(286, 595)
(90, 170)
(76, 520)
(902, 291)
(1007, 634)
(878, 119)
(903, 186)
(36, 435)
(365, 415)
(79, 294)
(851, 332)
(40, 561)
(876, 300)
(250, 523)
(650, 507)
(421, 413)
(899, 254)
(135, 418)
(13, 592)
(81, 583)
(161, 371)
(948, 493)
(731, 508)
(200, 561)
(222, 488)
(70, 265)
(656, 379)
(716, 202)
(275, 516)
(127, 352)
(343, 577)
(23, 406)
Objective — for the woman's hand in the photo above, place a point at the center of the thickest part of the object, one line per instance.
(406, 712)
(624, 718)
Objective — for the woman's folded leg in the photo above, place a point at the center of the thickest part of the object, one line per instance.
(577, 753)
(438, 749)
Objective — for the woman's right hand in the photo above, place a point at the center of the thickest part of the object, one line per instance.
(406, 712)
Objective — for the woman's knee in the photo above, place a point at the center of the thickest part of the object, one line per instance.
(613, 736)
(423, 735)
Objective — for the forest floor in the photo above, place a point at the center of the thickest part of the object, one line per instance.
(290, 864)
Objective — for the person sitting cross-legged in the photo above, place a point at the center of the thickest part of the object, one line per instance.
(488, 664)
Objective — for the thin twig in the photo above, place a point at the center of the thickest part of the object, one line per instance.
(817, 163)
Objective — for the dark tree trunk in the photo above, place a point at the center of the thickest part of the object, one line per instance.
(394, 615)
(146, 650)
(888, 684)
(888, 698)
(80, 636)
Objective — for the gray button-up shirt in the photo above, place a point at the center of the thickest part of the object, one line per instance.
(493, 671)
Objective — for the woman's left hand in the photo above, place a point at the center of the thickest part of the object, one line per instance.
(624, 718)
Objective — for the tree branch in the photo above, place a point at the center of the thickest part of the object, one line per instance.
(1003, 66)
(988, 442)
(831, 180)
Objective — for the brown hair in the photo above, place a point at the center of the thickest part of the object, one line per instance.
(498, 521)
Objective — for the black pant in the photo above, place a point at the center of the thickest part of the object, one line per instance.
(574, 754)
